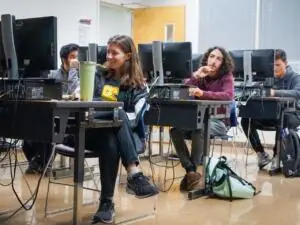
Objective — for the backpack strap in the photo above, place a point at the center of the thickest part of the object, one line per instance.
(296, 146)
(242, 180)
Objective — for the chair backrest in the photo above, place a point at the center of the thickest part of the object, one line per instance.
(140, 131)
(141, 128)
(233, 115)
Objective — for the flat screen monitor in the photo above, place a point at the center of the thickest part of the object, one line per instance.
(238, 60)
(263, 64)
(101, 55)
(2, 57)
(146, 57)
(83, 53)
(196, 61)
(36, 45)
(145, 54)
(177, 61)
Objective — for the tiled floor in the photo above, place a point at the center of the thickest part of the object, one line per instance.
(278, 202)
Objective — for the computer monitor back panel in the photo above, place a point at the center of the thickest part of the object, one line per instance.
(101, 55)
(2, 56)
(263, 64)
(36, 45)
(238, 57)
(196, 61)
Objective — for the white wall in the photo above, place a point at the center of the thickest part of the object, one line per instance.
(113, 20)
(230, 24)
(68, 13)
(280, 26)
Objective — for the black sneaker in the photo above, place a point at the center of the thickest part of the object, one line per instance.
(105, 212)
(140, 186)
(33, 167)
(263, 159)
(30, 170)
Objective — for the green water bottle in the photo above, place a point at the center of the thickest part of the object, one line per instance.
(87, 76)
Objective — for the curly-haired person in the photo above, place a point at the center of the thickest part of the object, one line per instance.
(212, 81)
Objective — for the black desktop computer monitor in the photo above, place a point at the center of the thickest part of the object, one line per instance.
(177, 61)
(196, 61)
(2, 57)
(83, 53)
(36, 45)
(238, 60)
(262, 64)
(101, 54)
(146, 57)
(145, 54)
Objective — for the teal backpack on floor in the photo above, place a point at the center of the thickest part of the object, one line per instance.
(223, 182)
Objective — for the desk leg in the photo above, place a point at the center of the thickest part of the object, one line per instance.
(161, 141)
(78, 170)
(275, 165)
(194, 194)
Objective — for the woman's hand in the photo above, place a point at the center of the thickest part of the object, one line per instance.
(203, 71)
(197, 92)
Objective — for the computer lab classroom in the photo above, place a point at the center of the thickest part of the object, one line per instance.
(149, 112)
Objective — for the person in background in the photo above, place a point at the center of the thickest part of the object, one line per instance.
(287, 84)
(38, 153)
(212, 81)
(68, 71)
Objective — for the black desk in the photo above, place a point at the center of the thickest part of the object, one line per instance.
(37, 121)
(188, 114)
(269, 108)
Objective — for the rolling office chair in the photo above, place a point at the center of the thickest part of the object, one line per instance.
(67, 150)
(234, 126)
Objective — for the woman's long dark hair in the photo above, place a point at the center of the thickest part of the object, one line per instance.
(131, 72)
(227, 65)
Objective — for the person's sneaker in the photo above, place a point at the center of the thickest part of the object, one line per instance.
(105, 213)
(193, 180)
(263, 159)
(33, 167)
(140, 186)
(183, 184)
(30, 170)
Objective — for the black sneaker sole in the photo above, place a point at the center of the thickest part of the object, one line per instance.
(261, 166)
(99, 220)
(130, 191)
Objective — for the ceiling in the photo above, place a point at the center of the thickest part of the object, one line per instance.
(127, 3)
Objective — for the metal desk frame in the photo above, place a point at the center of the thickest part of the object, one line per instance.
(47, 111)
(199, 112)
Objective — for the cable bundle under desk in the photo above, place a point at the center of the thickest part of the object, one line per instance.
(170, 92)
(30, 89)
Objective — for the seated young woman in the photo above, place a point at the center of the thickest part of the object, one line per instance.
(122, 81)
